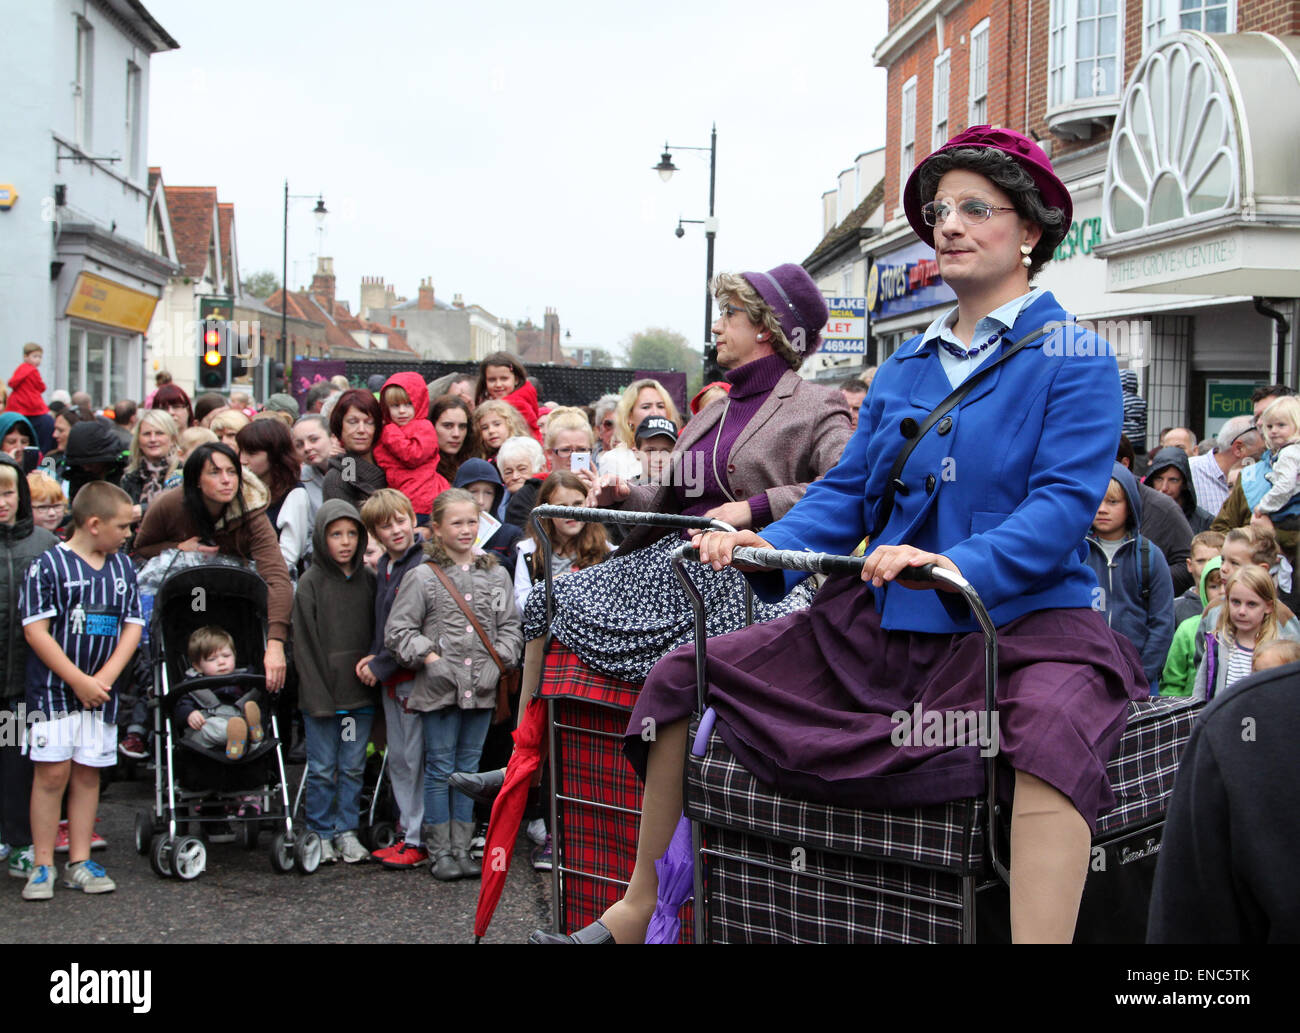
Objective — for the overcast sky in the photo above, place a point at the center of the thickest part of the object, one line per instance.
(505, 149)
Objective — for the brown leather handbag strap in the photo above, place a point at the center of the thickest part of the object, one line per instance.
(469, 614)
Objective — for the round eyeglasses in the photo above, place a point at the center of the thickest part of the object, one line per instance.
(971, 212)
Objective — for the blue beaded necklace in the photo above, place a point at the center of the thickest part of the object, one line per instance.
(969, 353)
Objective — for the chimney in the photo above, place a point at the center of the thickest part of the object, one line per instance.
(426, 294)
(322, 284)
(551, 333)
(457, 301)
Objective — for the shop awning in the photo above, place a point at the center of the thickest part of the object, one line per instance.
(1202, 191)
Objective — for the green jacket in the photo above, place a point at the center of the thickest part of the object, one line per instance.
(1179, 675)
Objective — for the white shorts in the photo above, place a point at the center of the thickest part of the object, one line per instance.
(81, 737)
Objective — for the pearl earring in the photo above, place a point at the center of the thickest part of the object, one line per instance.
(1025, 249)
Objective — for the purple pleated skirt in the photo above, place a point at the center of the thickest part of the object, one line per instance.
(813, 703)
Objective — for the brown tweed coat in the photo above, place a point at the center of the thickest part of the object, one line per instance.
(796, 436)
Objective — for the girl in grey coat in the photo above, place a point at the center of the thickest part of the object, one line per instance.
(455, 686)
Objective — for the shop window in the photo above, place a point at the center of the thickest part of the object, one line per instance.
(979, 74)
(97, 364)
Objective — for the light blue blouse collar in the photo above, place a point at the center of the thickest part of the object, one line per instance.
(1003, 317)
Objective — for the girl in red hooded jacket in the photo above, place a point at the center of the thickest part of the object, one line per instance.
(407, 450)
(502, 376)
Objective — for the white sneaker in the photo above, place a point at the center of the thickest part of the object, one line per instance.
(349, 848)
(89, 877)
(537, 831)
(328, 855)
(40, 883)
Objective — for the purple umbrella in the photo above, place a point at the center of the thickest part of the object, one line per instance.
(676, 869)
(676, 882)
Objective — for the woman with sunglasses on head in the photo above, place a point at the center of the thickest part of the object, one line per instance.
(1002, 491)
(640, 400)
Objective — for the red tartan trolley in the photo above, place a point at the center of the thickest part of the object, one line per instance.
(595, 804)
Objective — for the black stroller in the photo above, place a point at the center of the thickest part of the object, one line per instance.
(202, 786)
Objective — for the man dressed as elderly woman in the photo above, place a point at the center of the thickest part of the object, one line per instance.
(1002, 490)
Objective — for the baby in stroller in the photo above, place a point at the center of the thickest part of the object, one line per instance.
(226, 716)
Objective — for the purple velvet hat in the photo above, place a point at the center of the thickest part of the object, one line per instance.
(1009, 142)
(797, 301)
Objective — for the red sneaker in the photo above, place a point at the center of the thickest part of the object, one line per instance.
(61, 841)
(405, 856)
(386, 851)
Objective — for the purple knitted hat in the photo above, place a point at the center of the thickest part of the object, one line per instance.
(1015, 145)
(797, 301)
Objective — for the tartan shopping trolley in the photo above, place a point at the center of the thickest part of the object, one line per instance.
(595, 800)
(903, 875)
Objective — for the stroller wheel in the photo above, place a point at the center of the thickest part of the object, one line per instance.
(189, 858)
(248, 831)
(307, 852)
(281, 853)
(143, 832)
(383, 834)
(160, 856)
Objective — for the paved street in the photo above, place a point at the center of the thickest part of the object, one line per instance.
(240, 900)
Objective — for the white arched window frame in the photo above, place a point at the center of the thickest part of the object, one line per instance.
(1174, 151)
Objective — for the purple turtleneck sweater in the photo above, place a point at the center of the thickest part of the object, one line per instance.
(750, 386)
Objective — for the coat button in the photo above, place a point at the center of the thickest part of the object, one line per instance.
(468, 661)
(731, 468)
(468, 598)
(469, 627)
(944, 425)
(908, 427)
(929, 484)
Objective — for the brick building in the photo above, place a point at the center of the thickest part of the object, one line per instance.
(1181, 217)
(433, 328)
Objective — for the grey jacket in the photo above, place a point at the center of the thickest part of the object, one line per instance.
(797, 435)
(20, 543)
(426, 619)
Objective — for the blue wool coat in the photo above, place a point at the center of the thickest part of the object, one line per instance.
(1007, 492)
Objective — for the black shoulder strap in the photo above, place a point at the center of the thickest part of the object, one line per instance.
(895, 483)
(1145, 545)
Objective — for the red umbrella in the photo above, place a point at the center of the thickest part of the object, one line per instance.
(507, 810)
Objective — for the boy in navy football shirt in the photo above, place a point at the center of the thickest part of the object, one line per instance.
(81, 616)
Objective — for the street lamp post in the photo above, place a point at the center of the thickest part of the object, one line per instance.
(666, 168)
(320, 211)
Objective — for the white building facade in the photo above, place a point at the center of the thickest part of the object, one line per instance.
(77, 273)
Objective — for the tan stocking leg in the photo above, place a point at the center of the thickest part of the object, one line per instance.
(1050, 847)
(532, 676)
(661, 809)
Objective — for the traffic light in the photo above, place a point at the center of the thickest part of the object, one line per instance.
(214, 367)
